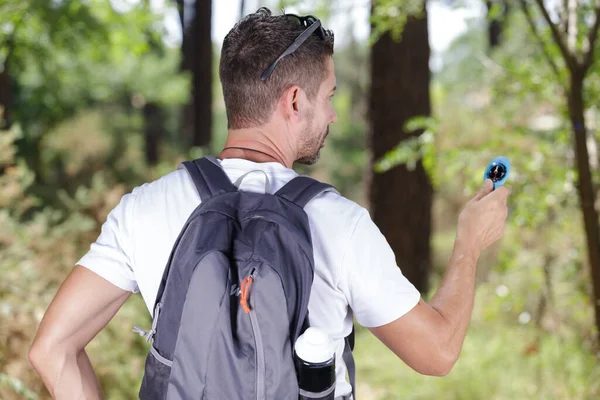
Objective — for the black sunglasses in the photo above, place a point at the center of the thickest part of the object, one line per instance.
(312, 25)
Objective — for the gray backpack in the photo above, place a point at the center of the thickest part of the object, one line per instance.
(234, 294)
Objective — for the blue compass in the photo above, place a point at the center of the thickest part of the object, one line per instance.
(497, 171)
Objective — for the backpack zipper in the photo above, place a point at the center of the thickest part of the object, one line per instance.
(260, 353)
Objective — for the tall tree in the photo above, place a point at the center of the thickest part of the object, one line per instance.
(401, 198)
(203, 61)
(578, 57)
(197, 54)
(9, 44)
(154, 115)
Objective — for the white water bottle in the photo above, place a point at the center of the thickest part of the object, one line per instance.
(315, 363)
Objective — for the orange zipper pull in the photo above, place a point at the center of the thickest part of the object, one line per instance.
(244, 289)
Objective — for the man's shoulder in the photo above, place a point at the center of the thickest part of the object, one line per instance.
(176, 189)
(332, 207)
(172, 191)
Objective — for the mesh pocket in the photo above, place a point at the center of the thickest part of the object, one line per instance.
(156, 377)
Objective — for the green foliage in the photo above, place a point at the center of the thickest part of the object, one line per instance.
(17, 386)
(391, 16)
(506, 103)
(38, 248)
(499, 361)
(82, 73)
(414, 149)
(44, 36)
(343, 157)
(67, 56)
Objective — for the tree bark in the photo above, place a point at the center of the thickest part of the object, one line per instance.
(6, 89)
(187, 65)
(196, 59)
(585, 185)
(5, 99)
(153, 131)
(154, 116)
(496, 25)
(401, 199)
(202, 75)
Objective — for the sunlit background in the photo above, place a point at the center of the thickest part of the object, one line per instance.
(98, 97)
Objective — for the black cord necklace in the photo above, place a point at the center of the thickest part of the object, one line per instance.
(245, 148)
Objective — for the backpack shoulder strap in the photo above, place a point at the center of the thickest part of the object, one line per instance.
(303, 189)
(209, 177)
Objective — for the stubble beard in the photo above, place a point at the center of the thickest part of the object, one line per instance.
(312, 147)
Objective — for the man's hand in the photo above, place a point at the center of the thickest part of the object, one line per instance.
(429, 338)
(84, 304)
(481, 222)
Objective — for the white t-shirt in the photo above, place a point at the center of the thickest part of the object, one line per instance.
(355, 268)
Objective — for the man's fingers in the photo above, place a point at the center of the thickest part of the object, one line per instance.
(501, 194)
(487, 187)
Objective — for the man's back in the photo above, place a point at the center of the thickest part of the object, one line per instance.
(352, 260)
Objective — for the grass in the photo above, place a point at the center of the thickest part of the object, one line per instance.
(497, 362)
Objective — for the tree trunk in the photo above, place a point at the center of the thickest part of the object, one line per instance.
(401, 199)
(187, 65)
(5, 99)
(153, 129)
(5, 105)
(585, 186)
(6, 89)
(496, 24)
(196, 49)
(154, 117)
(202, 81)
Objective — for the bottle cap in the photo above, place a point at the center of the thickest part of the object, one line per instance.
(314, 346)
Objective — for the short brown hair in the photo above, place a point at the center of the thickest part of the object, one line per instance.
(248, 50)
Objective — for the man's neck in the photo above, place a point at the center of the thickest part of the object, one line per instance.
(257, 146)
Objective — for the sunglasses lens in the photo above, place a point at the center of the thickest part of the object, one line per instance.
(295, 19)
(302, 21)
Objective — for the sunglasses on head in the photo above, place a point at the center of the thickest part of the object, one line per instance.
(311, 25)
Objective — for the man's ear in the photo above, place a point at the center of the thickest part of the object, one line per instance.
(292, 102)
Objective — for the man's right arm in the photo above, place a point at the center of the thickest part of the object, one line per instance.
(429, 338)
(84, 304)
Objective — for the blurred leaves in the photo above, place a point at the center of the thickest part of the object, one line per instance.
(391, 16)
(64, 57)
(17, 386)
(80, 71)
(413, 149)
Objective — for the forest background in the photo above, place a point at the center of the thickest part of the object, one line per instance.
(98, 97)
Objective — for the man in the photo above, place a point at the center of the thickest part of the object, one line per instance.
(278, 101)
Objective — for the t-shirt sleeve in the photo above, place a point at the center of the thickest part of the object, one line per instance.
(111, 255)
(377, 291)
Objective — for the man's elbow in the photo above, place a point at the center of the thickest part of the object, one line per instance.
(439, 365)
(442, 369)
(444, 364)
(45, 355)
(39, 353)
